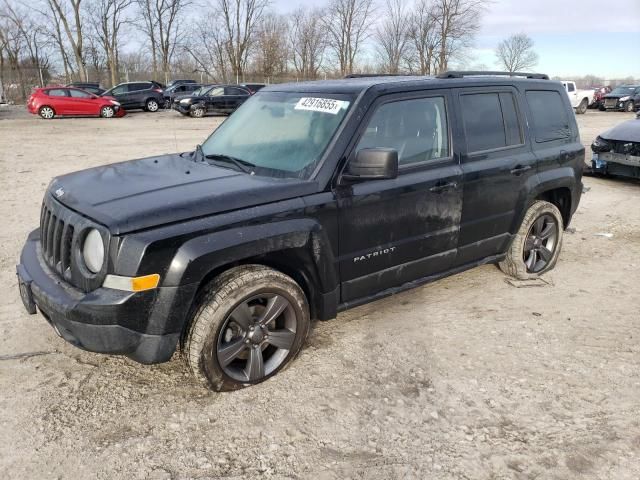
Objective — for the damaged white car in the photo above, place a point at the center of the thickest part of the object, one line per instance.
(617, 151)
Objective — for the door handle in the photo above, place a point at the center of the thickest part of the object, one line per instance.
(520, 169)
(443, 187)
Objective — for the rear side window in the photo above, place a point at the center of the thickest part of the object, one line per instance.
(58, 92)
(79, 94)
(549, 115)
(134, 87)
(490, 121)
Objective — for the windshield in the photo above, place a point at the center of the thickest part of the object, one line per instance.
(623, 90)
(281, 134)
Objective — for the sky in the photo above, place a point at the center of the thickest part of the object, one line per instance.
(572, 37)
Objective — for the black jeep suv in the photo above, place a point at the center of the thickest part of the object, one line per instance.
(342, 192)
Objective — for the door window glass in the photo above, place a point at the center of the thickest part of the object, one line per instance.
(416, 128)
(216, 92)
(139, 86)
(511, 120)
(550, 120)
(234, 91)
(58, 92)
(79, 94)
(484, 124)
(119, 90)
(571, 87)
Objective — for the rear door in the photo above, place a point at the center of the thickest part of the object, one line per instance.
(496, 165)
(398, 230)
(138, 94)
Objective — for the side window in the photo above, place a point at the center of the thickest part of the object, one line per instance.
(79, 94)
(416, 128)
(490, 121)
(235, 91)
(120, 90)
(549, 115)
(58, 92)
(135, 87)
(571, 87)
(216, 92)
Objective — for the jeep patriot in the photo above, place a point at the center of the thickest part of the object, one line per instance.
(310, 199)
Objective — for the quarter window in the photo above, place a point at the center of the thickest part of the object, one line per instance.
(417, 129)
(490, 121)
(550, 120)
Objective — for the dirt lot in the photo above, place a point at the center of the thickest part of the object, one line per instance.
(466, 378)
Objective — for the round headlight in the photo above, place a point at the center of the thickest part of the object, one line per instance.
(93, 251)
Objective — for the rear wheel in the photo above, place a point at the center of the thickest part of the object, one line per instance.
(248, 324)
(47, 112)
(582, 108)
(107, 112)
(151, 105)
(536, 246)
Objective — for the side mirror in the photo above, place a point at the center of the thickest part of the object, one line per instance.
(372, 164)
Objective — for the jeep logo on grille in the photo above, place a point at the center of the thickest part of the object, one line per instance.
(59, 192)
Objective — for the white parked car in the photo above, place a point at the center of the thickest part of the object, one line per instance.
(580, 99)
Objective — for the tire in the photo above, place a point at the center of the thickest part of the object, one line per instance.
(224, 349)
(46, 112)
(629, 106)
(197, 112)
(602, 108)
(582, 108)
(151, 105)
(520, 262)
(107, 112)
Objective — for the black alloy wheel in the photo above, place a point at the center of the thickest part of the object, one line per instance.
(540, 243)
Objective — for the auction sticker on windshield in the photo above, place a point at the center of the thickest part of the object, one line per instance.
(324, 105)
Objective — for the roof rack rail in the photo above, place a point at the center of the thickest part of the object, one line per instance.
(470, 73)
(366, 75)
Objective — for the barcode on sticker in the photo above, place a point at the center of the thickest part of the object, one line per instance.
(325, 105)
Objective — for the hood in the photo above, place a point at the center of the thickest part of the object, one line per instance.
(628, 131)
(154, 191)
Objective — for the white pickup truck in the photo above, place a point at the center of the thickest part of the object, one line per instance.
(580, 99)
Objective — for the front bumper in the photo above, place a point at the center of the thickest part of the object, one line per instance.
(144, 326)
(619, 164)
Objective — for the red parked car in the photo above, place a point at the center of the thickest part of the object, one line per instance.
(51, 101)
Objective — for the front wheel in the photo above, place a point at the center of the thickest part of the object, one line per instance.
(197, 112)
(248, 324)
(151, 106)
(107, 112)
(536, 247)
(629, 106)
(582, 108)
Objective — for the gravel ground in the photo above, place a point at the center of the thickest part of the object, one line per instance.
(466, 378)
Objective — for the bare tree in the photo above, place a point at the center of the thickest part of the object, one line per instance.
(457, 22)
(161, 22)
(241, 19)
(348, 24)
(516, 53)
(207, 47)
(107, 21)
(273, 49)
(308, 41)
(424, 37)
(69, 14)
(391, 36)
(12, 43)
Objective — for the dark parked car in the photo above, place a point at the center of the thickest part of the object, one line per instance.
(179, 90)
(179, 82)
(90, 87)
(138, 95)
(311, 199)
(617, 151)
(253, 87)
(625, 98)
(221, 99)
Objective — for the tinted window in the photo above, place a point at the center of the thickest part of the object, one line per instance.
(483, 122)
(416, 128)
(119, 90)
(58, 92)
(549, 115)
(571, 87)
(134, 87)
(510, 117)
(79, 94)
(235, 91)
(216, 92)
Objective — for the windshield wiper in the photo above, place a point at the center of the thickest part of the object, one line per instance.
(242, 165)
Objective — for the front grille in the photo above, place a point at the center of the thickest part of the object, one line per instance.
(610, 102)
(56, 237)
(61, 233)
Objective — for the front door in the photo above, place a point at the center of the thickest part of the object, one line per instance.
(399, 230)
